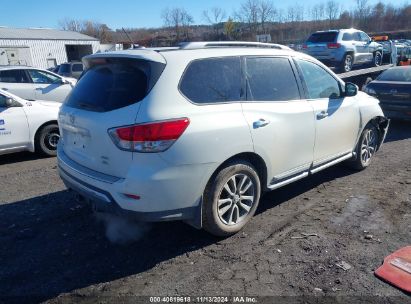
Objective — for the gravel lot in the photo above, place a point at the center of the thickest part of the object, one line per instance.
(54, 249)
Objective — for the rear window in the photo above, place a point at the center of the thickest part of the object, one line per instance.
(64, 68)
(323, 37)
(114, 83)
(77, 68)
(14, 76)
(212, 80)
(398, 74)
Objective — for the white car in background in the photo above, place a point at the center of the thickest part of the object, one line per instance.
(28, 125)
(34, 84)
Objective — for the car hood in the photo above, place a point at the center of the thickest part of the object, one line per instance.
(46, 103)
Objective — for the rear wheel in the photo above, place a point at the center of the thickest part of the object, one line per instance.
(231, 198)
(377, 59)
(347, 63)
(47, 139)
(366, 148)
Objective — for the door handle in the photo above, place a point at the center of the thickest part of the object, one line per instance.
(322, 114)
(260, 123)
(5, 89)
(39, 89)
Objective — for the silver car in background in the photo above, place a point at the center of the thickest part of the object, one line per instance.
(344, 48)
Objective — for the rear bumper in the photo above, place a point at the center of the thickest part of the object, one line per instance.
(170, 193)
(102, 201)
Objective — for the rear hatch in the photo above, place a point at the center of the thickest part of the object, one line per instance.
(108, 94)
(317, 44)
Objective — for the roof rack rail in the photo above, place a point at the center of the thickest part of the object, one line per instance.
(217, 44)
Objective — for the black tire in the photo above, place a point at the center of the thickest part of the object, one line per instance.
(46, 140)
(220, 223)
(377, 60)
(361, 160)
(347, 63)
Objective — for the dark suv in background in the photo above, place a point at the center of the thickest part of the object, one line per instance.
(343, 48)
(71, 69)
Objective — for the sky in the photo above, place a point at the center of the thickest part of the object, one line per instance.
(123, 13)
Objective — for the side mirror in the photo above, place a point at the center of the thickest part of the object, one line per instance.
(9, 102)
(350, 89)
(64, 81)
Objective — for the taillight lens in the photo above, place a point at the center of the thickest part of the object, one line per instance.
(333, 45)
(149, 137)
(305, 46)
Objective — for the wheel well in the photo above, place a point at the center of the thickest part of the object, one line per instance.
(51, 122)
(381, 123)
(255, 160)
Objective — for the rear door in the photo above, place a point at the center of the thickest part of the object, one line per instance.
(108, 95)
(337, 118)
(14, 130)
(48, 86)
(281, 123)
(18, 82)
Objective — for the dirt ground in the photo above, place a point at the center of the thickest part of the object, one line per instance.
(53, 249)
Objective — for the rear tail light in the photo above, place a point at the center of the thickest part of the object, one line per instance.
(305, 46)
(149, 137)
(333, 45)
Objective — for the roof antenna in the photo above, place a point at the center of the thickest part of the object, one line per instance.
(133, 46)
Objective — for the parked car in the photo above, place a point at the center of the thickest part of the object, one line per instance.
(197, 133)
(54, 69)
(31, 83)
(28, 125)
(71, 69)
(393, 89)
(344, 48)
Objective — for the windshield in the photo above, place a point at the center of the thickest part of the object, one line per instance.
(397, 74)
(323, 37)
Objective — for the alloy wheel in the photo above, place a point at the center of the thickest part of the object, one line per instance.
(236, 199)
(368, 146)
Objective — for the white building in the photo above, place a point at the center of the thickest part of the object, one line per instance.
(43, 48)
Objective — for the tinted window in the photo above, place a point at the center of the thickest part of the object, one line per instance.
(14, 76)
(357, 36)
(396, 74)
(114, 83)
(77, 67)
(64, 68)
(3, 101)
(323, 37)
(319, 82)
(364, 37)
(212, 80)
(348, 37)
(270, 79)
(43, 77)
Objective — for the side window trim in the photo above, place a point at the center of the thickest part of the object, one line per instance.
(301, 92)
(305, 84)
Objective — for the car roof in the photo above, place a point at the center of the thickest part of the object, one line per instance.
(340, 30)
(18, 67)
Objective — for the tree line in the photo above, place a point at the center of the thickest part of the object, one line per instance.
(254, 17)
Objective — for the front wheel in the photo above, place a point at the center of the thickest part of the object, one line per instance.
(366, 148)
(231, 198)
(47, 139)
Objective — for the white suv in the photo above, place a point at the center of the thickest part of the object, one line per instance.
(197, 133)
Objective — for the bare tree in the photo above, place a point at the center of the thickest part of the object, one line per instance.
(332, 10)
(88, 27)
(317, 12)
(215, 17)
(248, 13)
(266, 13)
(178, 19)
